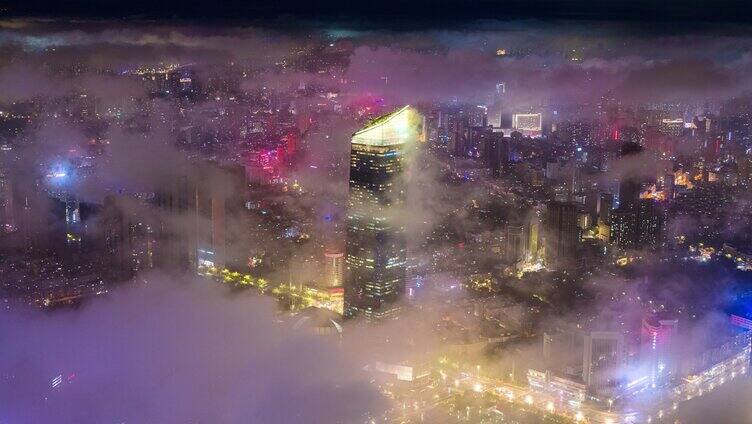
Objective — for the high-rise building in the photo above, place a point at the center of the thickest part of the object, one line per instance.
(605, 205)
(561, 231)
(671, 126)
(533, 236)
(176, 198)
(602, 362)
(658, 347)
(497, 106)
(563, 348)
(7, 207)
(623, 228)
(479, 141)
(496, 152)
(529, 124)
(515, 243)
(334, 268)
(460, 133)
(629, 193)
(638, 227)
(630, 186)
(203, 203)
(650, 224)
(376, 246)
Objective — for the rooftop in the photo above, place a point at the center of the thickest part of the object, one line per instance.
(401, 126)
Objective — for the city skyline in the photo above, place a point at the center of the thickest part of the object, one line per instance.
(416, 215)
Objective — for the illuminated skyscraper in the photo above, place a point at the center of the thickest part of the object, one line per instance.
(640, 227)
(376, 251)
(334, 268)
(657, 346)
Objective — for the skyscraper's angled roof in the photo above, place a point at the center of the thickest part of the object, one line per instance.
(399, 127)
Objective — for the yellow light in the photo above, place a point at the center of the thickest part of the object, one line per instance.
(579, 416)
(528, 399)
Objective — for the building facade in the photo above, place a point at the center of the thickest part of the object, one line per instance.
(376, 247)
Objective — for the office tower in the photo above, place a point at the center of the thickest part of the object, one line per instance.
(376, 247)
(639, 227)
(629, 185)
(605, 205)
(478, 142)
(533, 237)
(568, 176)
(602, 362)
(193, 231)
(658, 347)
(561, 231)
(529, 124)
(219, 197)
(650, 224)
(516, 247)
(460, 133)
(218, 227)
(334, 268)
(175, 200)
(671, 126)
(623, 228)
(477, 116)
(667, 184)
(564, 347)
(629, 193)
(494, 148)
(116, 229)
(72, 211)
(128, 236)
(496, 108)
(7, 212)
(591, 199)
(73, 227)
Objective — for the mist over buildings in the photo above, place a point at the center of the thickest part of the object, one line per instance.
(140, 154)
(173, 349)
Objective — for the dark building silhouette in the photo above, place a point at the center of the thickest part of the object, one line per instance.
(496, 153)
(561, 231)
(193, 227)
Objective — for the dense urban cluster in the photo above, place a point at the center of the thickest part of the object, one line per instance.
(491, 259)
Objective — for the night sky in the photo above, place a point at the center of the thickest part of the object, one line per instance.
(393, 13)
